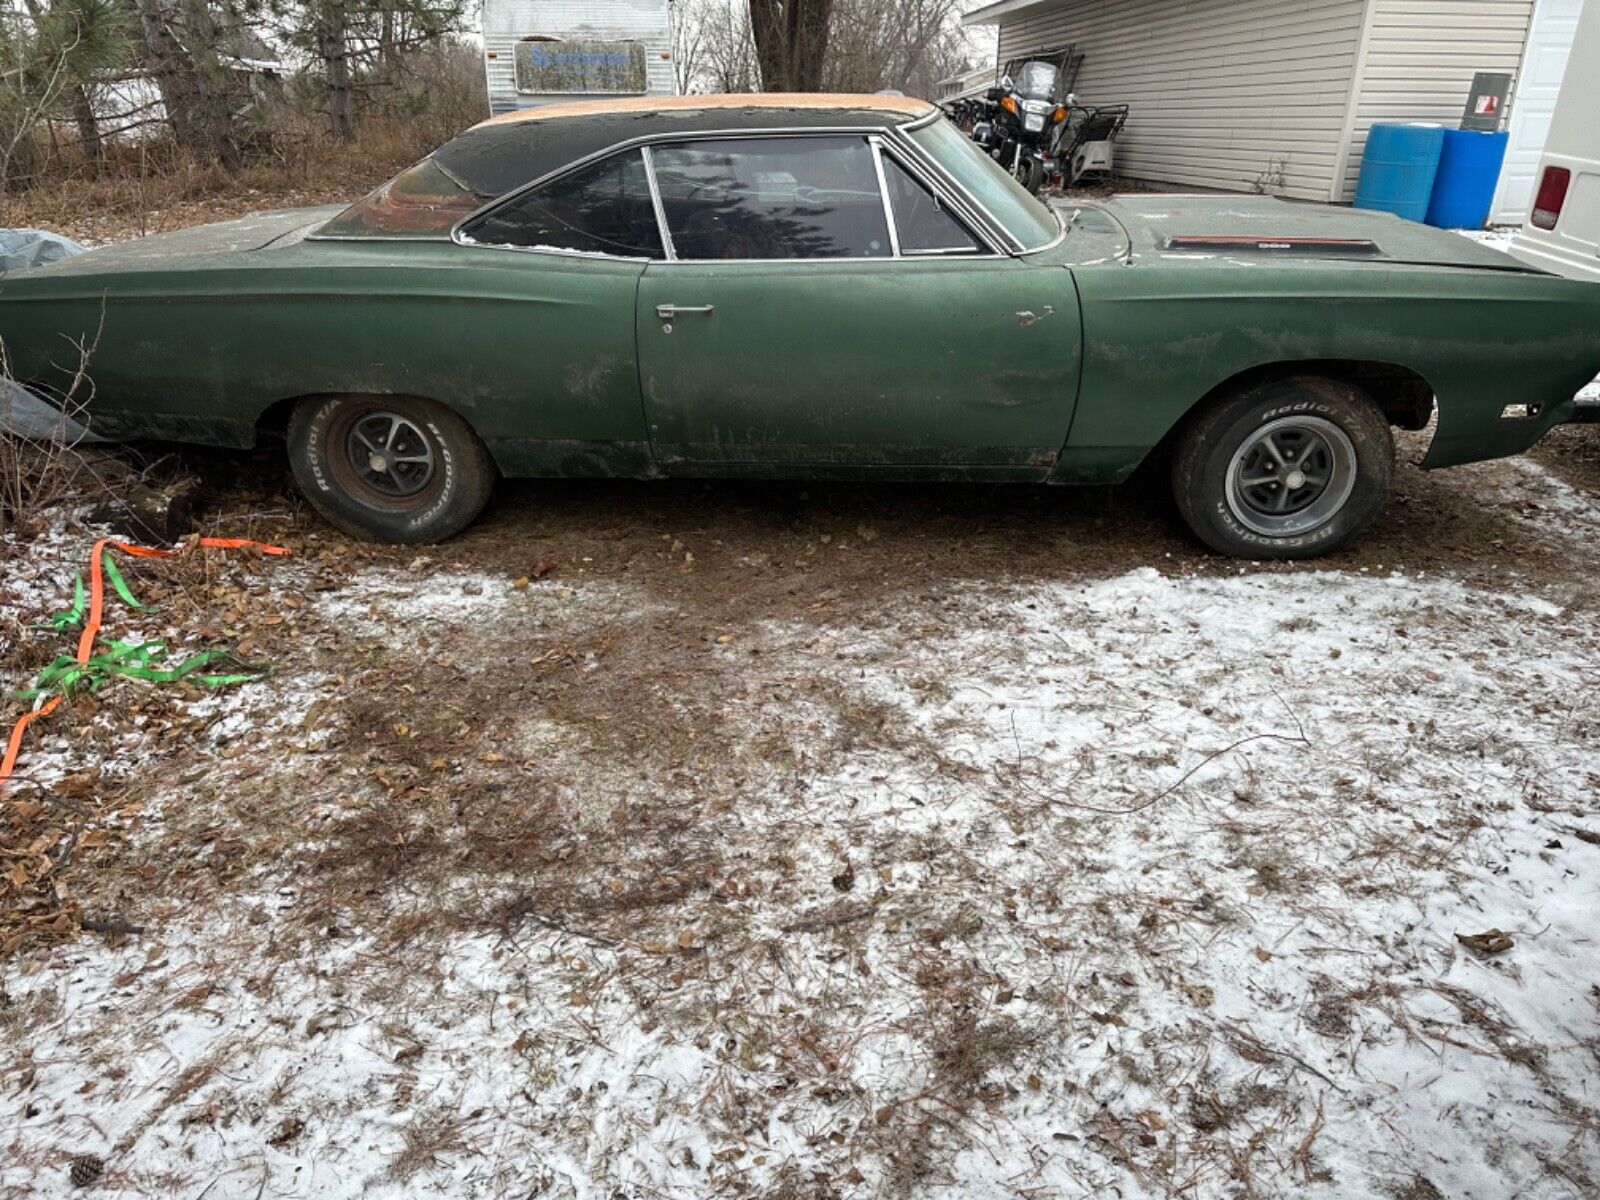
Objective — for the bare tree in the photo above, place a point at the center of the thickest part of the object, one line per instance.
(908, 45)
(363, 43)
(692, 22)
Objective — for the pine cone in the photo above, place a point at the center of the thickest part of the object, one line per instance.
(85, 1169)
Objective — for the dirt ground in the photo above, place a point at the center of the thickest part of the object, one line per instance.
(683, 839)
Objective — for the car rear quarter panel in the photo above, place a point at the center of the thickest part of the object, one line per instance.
(535, 351)
(1160, 339)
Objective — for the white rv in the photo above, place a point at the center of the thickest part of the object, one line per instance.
(545, 51)
(1561, 232)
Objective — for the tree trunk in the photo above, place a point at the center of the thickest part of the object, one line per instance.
(772, 51)
(791, 38)
(197, 91)
(94, 150)
(217, 90)
(809, 39)
(168, 64)
(388, 44)
(333, 49)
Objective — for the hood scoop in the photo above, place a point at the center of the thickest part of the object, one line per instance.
(1307, 247)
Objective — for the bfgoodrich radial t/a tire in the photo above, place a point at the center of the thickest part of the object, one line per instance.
(1291, 468)
(393, 468)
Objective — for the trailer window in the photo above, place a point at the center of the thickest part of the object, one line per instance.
(600, 209)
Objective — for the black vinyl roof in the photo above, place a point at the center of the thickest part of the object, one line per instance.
(501, 155)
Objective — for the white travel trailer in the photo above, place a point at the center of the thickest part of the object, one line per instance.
(545, 51)
(1562, 230)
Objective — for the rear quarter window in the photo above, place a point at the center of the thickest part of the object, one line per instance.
(424, 201)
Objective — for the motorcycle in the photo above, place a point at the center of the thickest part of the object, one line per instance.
(1026, 114)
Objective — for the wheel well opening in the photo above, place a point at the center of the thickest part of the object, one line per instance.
(273, 423)
(1403, 396)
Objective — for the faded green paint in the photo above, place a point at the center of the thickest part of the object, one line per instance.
(1067, 364)
(935, 363)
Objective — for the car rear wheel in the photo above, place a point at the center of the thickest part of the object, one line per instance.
(393, 468)
(1291, 468)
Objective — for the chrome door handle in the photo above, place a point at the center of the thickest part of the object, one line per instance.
(667, 311)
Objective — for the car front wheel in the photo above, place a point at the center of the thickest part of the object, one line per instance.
(393, 468)
(1292, 468)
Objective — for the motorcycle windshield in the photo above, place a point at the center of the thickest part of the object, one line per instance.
(1036, 81)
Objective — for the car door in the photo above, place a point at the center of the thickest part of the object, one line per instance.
(800, 319)
(547, 352)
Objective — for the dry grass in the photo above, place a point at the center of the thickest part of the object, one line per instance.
(150, 190)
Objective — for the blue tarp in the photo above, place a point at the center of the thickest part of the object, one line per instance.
(24, 248)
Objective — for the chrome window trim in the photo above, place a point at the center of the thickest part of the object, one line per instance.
(875, 148)
(1053, 242)
(950, 191)
(985, 246)
(660, 209)
(1018, 249)
(932, 166)
(442, 238)
(928, 118)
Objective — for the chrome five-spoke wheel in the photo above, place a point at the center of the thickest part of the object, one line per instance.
(1291, 475)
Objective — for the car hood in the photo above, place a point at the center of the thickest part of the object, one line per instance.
(195, 247)
(1250, 230)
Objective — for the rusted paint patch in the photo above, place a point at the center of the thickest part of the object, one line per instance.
(1028, 317)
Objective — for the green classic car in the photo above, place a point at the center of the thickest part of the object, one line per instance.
(807, 286)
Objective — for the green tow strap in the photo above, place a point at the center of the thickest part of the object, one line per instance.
(73, 617)
(137, 660)
(129, 659)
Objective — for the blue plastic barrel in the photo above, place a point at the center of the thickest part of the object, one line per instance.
(1469, 168)
(1398, 167)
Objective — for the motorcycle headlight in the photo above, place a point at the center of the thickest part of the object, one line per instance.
(1033, 122)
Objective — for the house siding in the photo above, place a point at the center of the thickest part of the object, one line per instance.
(1420, 59)
(1231, 94)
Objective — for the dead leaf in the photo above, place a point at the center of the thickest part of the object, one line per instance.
(1490, 941)
(1199, 994)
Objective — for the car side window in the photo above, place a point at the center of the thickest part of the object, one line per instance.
(921, 222)
(604, 208)
(761, 198)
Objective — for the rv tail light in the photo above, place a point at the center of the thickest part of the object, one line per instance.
(1552, 195)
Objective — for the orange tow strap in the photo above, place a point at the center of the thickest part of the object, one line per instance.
(91, 628)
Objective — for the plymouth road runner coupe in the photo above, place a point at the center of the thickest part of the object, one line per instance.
(807, 286)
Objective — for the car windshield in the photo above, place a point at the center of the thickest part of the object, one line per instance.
(1024, 217)
(1036, 81)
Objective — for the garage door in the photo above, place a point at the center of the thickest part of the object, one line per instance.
(1539, 82)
